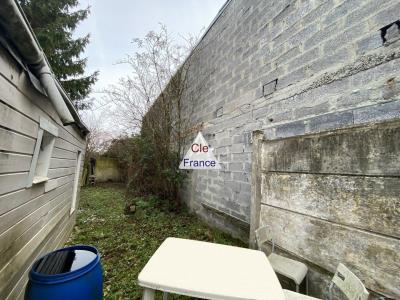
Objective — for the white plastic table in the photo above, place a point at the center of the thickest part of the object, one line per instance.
(210, 271)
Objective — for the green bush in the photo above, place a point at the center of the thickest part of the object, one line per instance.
(153, 171)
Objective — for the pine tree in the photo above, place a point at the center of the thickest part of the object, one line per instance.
(53, 22)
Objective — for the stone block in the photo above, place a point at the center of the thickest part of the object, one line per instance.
(236, 166)
(212, 173)
(307, 111)
(214, 189)
(226, 191)
(224, 142)
(292, 77)
(237, 148)
(226, 175)
(302, 9)
(284, 13)
(348, 37)
(378, 113)
(356, 98)
(318, 12)
(240, 176)
(327, 61)
(275, 52)
(302, 35)
(387, 16)
(237, 139)
(260, 112)
(288, 55)
(243, 198)
(241, 157)
(371, 42)
(285, 116)
(323, 34)
(239, 216)
(282, 37)
(304, 59)
(342, 10)
(290, 129)
(330, 121)
(247, 167)
(223, 158)
(247, 138)
(245, 187)
(233, 186)
(363, 12)
(232, 205)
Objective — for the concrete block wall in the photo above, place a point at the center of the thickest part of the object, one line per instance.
(287, 67)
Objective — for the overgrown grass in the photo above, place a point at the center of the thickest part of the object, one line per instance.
(126, 242)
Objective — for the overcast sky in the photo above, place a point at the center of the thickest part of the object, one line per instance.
(113, 24)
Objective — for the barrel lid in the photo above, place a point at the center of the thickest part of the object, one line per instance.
(65, 260)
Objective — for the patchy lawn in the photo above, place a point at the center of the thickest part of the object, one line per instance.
(126, 242)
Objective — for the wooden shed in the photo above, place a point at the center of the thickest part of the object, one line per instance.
(42, 146)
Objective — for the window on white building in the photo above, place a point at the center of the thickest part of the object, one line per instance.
(76, 181)
(47, 135)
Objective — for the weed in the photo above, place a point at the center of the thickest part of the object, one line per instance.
(126, 242)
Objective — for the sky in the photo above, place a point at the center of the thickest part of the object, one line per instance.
(113, 24)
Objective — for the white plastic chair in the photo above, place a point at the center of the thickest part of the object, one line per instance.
(349, 284)
(344, 280)
(287, 267)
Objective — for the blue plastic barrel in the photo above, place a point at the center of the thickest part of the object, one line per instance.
(69, 273)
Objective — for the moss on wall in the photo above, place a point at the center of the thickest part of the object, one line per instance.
(107, 169)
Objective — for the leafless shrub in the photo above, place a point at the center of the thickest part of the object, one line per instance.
(151, 100)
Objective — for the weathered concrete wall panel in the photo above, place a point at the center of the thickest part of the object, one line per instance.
(375, 259)
(370, 203)
(335, 197)
(359, 151)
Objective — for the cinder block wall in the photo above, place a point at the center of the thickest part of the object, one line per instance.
(288, 68)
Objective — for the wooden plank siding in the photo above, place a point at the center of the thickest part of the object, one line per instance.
(16, 266)
(12, 217)
(11, 119)
(54, 241)
(12, 182)
(62, 153)
(10, 162)
(334, 197)
(62, 162)
(14, 142)
(32, 220)
(40, 215)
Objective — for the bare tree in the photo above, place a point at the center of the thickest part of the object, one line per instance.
(152, 66)
(97, 139)
(151, 100)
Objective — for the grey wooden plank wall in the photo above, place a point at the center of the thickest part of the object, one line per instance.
(335, 197)
(34, 220)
